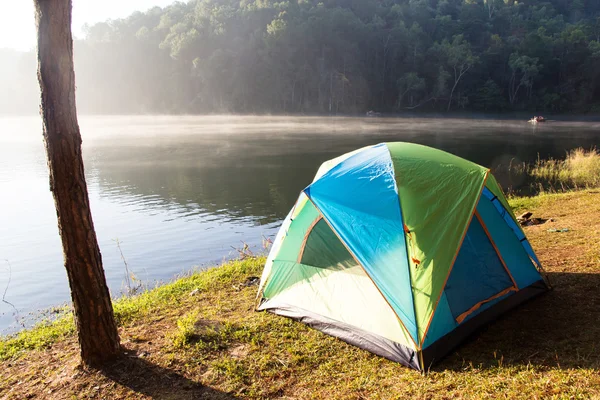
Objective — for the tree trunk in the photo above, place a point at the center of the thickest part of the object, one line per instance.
(385, 51)
(94, 319)
(513, 91)
(451, 94)
(491, 9)
(330, 91)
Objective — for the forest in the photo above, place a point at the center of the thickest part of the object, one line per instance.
(331, 57)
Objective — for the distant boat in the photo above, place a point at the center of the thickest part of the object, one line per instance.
(535, 120)
(372, 113)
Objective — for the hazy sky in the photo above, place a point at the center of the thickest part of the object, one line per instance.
(17, 24)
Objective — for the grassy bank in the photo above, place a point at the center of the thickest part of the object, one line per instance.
(199, 337)
(580, 169)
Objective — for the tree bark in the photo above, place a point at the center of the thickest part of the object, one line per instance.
(94, 319)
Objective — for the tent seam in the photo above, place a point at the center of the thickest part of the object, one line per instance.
(437, 302)
(365, 270)
(305, 239)
(460, 319)
(534, 260)
(524, 239)
(496, 249)
(405, 248)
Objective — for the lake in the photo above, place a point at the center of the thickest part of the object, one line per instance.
(178, 192)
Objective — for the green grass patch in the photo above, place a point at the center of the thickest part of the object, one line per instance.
(520, 204)
(186, 330)
(131, 309)
(43, 334)
(529, 203)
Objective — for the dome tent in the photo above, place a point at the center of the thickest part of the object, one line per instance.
(402, 250)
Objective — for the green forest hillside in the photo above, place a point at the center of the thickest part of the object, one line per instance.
(345, 56)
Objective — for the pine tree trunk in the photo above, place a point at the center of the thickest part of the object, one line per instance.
(94, 319)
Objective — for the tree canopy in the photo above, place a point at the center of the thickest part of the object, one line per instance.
(344, 56)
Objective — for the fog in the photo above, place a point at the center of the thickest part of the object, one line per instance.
(18, 83)
(161, 128)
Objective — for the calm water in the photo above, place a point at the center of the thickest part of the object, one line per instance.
(179, 192)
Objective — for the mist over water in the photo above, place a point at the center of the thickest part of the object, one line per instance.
(181, 191)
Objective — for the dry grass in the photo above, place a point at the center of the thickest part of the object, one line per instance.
(579, 170)
(212, 345)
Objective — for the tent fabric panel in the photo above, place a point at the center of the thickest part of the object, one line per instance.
(478, 273)
(288, 242)
(287, 274)
(275, 247)
(329, 164)
(498, 254)
(438, 192)
(488, 303)
(308, 231)
(508, 217)
(296, 233)
(359, 199)
(299, 206)
(435, 351)
(513, 253)
(442, 323)
(348, 296)
(492, 185)
(282, 234)
(350, 334)
(323, 249)
(481, 305)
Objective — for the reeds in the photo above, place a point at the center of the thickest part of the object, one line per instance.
(579, 170)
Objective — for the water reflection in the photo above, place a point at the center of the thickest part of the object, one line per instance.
(255, 167)
(231, 181)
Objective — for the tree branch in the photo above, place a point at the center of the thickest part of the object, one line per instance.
(4, 295)
(421, 103)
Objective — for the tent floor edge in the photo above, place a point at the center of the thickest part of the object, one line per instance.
(371, 342)
(435, 352)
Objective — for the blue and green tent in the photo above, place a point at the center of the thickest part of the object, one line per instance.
(402, 250)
